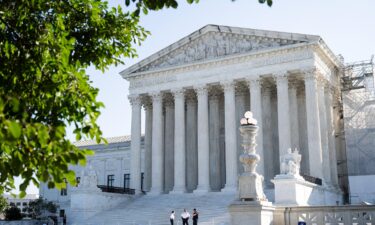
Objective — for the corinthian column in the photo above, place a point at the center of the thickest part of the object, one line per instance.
(294, 117)
(267, 137)
(168, 161)
(283, 113)
(157, 144)
(256, 107)
(324, 132)
(203, 144)
(191, 142)
(313, 125)
(135, 147)
(331, 136)
(230, 137)
(179, 142)
(148, 144)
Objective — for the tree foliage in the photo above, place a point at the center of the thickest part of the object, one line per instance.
(39, 207)
(13, 213)
(3, 204)
(45, 47)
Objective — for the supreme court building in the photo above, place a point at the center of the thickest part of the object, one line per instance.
(195, 91)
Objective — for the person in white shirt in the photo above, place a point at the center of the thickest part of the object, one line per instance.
(171, 217)
(185, 217)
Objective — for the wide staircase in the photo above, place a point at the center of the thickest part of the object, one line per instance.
(155, 210)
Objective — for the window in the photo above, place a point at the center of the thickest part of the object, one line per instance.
(62, 212)
(24, 203)
(24, 209)
(127, 180)
(110, 180)
(63, 192)
(18, 203)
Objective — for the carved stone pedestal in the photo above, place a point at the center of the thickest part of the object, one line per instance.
(250, 187)
(251, 213)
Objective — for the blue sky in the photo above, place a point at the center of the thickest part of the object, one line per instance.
(347, 26)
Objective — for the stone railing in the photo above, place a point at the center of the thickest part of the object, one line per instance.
(326, 215)
(120, 190)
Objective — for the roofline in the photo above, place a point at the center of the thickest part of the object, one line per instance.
(217, 28)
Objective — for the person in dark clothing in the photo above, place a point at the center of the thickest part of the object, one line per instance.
(195, 217)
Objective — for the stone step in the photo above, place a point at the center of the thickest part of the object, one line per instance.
(155, 210)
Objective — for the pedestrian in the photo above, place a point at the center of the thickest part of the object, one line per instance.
(185, 217)
(195, 217)
(171, 218)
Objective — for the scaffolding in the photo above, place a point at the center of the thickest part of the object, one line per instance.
(356, 74)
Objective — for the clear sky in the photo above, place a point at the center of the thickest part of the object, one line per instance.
(347, 26)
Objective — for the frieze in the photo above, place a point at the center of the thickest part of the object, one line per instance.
(254, 61)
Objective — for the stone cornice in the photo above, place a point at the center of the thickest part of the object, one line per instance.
(327, 55)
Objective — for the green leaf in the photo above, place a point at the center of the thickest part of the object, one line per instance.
(15, 129)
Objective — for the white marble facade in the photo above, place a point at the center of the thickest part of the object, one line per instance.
(195, 91)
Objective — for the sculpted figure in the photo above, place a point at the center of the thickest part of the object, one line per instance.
(290, 163)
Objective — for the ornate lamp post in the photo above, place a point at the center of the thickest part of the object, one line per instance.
(250, 182)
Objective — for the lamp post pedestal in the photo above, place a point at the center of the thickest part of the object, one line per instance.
(252, 207)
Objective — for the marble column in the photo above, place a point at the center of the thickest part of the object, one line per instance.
(256, 107)
(169, 143)
(148, 145)
(203, 140)
(313, 124)
(324, 131)
(214, 129)
(293, 109)
(179, 142)
(331, 136)
(191, 143)
(157, 144)
(302, 127)
(135, 147)
(267, 137)
(283, 113)
(230, 136)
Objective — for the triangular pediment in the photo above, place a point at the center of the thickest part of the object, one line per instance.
(212, 41)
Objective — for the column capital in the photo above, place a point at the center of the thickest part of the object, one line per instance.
(178, 93)
(156, 96)
(254, 83)
(281, 73)
(135, 99)
(201, 90)
(310, 73)
(228, 85)
(281, 78)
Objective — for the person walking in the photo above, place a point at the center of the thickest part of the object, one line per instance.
(185, 217)
(195, 217)
(171, 218)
